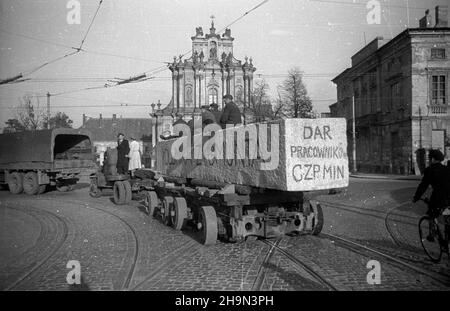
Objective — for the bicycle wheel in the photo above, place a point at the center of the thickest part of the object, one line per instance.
(429, 238)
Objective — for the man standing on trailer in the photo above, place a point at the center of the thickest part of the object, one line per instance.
(231, 113)
(123, 149)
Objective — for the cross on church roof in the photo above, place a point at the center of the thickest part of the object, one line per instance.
(212, 29)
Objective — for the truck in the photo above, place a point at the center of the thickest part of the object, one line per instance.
(30, 161)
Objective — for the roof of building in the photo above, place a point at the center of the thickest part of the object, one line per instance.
(106, 129)
(384, 45)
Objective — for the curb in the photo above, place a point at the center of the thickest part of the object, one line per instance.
(386, 177)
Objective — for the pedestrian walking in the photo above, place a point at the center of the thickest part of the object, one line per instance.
(123, 149)
(134, 156)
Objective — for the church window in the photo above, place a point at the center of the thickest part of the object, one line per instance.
(212, 95)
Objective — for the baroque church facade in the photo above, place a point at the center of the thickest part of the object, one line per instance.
(211, 72)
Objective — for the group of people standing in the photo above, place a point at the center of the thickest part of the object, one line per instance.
(229, 115)
(128, 155)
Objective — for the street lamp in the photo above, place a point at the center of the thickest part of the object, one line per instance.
(155, 116)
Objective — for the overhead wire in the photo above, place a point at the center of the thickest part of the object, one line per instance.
(77, 50)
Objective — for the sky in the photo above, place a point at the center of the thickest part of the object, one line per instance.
(131, 37)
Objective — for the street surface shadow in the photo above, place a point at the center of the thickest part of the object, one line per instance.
(295, 281)
(83, 286)
(404, 197)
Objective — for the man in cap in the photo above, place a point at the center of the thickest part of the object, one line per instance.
(438, 176)
(231, 113)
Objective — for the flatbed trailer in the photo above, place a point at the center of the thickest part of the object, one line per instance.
(243, 190)
(216, 210)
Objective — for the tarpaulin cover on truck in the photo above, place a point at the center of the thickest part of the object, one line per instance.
(40, 148)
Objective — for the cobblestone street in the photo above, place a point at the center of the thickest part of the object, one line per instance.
(122, 248)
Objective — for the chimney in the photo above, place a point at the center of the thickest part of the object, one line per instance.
(100, 121)
(114, 117)
(425, 22)
(84, 119)
(441, 16)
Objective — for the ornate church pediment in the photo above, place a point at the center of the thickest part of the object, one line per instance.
(213, 82)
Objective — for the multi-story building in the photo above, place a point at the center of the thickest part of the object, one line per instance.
(398, 91)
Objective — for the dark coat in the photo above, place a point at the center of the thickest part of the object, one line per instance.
(217, 114)
(230, 115)
(207, 118)
(122, 150)
(438, 176)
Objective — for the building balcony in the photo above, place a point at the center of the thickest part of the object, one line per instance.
(438, 110)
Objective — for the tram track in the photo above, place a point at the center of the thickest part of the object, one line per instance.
(274, 246)
(263, 268)
(367, 251)
(131, 270)
(164, 262)
(42, 238)
(409, 252)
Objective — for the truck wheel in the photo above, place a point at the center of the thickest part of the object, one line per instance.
(30, 183)
(208, 220)
(128, 193)
(178, 213)
(167, 202)
(151, 202)
(15, 183)
(318, 218)
(119, 193)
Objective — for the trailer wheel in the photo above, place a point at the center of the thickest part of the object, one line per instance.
(15, 183)
(30, 183)
(128, 193)
(318, 217)
(42, 189)
(208, 220)
(167, 202)
(178, 213)
(151, 202)
(119, 193)
(94, 190)
(62, 188)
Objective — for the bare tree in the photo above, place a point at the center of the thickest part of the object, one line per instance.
(60, 119)
(296, 102)
(260, 106)
(29, 113)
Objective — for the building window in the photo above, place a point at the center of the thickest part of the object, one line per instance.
(438, 53)
(212, 95)
(395, 96)
(438, 94)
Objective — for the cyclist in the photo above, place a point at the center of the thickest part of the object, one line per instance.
(438, 176)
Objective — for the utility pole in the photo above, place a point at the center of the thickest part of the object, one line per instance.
(48, 110)
(420, 128)
(354, 134)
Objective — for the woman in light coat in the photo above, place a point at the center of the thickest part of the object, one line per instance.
(135, 156)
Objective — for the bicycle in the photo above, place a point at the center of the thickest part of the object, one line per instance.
(433, 241)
